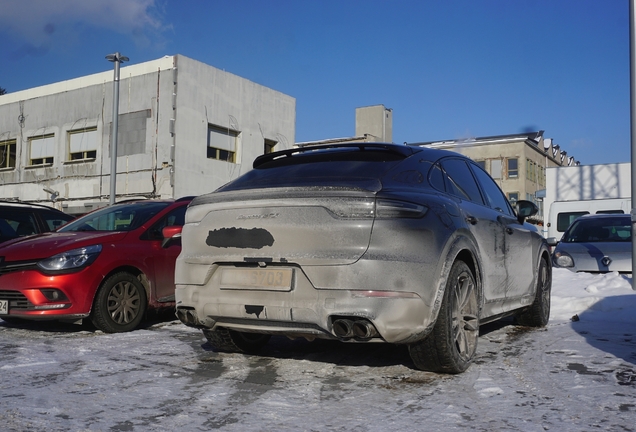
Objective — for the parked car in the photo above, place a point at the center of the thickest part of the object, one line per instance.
(598, 243)
(361, 243)
(22, 219)
(110, 265)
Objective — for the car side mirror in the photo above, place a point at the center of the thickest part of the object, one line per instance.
(552, 241)
(171, 234)
(525, 209)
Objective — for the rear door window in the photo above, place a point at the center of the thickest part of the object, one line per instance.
(21, 222)
(436, 178)
(496, 199)
(460, 180)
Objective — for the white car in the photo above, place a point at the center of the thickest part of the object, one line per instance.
(598, 243)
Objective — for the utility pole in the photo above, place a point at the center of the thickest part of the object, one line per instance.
(117, 59)
(632, 118)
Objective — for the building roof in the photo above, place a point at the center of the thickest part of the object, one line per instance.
(363, 138)
(164, 63)
(535, 137)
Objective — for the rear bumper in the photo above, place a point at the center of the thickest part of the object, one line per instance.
(398, 316)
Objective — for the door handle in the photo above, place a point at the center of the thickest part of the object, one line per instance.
(509, 230)
(471, 219)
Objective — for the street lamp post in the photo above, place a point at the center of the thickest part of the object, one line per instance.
(632, 106)
(117, 59)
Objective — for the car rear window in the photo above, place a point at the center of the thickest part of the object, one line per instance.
(341, 167)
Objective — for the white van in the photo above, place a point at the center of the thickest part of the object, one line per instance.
(563, 213)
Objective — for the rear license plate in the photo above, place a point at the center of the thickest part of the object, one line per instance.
(257, 279)
(4, 307)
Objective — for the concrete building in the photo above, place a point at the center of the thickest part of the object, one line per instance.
(517, 162)
(184, 128)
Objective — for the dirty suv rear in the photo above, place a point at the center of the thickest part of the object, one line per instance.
(346, 242)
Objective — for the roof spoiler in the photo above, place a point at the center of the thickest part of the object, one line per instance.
(392, 148)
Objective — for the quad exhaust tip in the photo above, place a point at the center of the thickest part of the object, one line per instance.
(188, 317)
(359, 328)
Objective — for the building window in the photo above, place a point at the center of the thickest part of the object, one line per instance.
(495, 166)
(41, 150)
(82, 144)
(222, 143)
(482, 164)
(513, 168)
(531, 171)
(269, 146)
(513, 197)
(7, 154)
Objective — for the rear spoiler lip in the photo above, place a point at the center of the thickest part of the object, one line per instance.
(401, 150)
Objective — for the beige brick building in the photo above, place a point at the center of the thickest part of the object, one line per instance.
(517, 162)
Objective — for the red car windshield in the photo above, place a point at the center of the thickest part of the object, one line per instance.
(120, 217)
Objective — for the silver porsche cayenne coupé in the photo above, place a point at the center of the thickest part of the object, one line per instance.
(364, 242)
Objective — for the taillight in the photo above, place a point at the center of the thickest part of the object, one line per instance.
(390, 209)
(365, 209)
(350, 208)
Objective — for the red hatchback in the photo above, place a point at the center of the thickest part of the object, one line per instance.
(110, 265)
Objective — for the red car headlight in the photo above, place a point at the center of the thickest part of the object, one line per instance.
(70, 260)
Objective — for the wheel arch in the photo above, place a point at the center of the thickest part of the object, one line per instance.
(470, 259)
(544, 254)
(460, 249)
(140, 275)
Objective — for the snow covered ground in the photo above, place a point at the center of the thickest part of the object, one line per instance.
(573, 375)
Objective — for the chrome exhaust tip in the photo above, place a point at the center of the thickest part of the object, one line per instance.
(363, 329)
(187, 317)
(343, 328)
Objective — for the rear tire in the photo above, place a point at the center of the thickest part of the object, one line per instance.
(120, 304)
(452, 344)
(538, 314)
(226, 340)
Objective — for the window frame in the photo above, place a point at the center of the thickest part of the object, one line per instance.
(509, 170)
(496, 169)
(269, 146)
(227, 154)
(5, 149)
(44, 160)
(87, 155)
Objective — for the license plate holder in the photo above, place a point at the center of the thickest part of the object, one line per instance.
(4, 307)
(259, 279)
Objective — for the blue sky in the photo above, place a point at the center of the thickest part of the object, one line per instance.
(449, 69)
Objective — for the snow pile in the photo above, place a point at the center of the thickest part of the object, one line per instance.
(594, 297)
